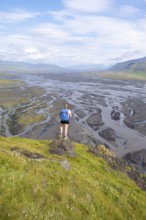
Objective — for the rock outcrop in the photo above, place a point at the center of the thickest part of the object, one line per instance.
(138, 159)
(62, 147)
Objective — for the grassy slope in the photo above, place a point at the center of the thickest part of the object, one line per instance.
(43, 189)
(5, 82)
(129, 75)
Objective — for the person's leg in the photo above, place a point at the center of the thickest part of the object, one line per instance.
(65, 130)
(61, 130)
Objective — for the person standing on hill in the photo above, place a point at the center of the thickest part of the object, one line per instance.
(65, 115)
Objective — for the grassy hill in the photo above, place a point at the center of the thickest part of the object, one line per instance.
(131, 69)
(14, 67)
(121, 75)
(126, 75)
(35, 184)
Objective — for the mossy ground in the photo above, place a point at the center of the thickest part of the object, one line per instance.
(43, 189)
(6, 82)
(22, 104)
(14, 96)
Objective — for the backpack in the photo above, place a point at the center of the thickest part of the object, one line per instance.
(64, 115)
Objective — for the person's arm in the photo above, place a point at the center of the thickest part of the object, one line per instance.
(70, 113)
(60, 114)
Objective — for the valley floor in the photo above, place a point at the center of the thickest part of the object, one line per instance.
(111, 112)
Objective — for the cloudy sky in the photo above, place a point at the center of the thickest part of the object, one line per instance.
(72, 32)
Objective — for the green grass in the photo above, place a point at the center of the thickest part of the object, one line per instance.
(27, 111)
(129, 75)
(29, 119)
(21, 120)
(12, 97)
(6, 82)
(43, 189)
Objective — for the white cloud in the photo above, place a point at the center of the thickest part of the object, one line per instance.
(103, 37)
(16, 15)
(77, 41)
(62, 14)
(91, 6)
(128, 10)
(109, 28)
(14, 47)
(50, 31)
(75, 37)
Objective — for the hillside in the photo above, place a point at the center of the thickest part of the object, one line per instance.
(136, 65)
(130, 69)
(36, 184)
(12, 67)
(87, 67)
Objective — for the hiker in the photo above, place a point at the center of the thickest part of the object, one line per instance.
(65, 115)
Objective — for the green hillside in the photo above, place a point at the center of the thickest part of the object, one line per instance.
(35, 184)
(125, 75)
(131, 69)
(15, 67)
(129, 75)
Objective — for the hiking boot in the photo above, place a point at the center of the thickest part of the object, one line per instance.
(60, 136)
(66, 138)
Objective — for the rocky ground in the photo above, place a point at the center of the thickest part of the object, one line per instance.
(122, 164)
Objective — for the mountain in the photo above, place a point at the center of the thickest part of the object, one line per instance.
(43, 179)
(87, 67)
(135, 65)
(23, 67)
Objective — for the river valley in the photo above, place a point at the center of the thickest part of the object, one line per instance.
(111, 112)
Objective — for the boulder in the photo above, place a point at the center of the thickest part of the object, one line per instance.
(115, 115)
(138, 159)
(62, 147)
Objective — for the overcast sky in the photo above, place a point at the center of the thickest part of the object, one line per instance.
(72, 32)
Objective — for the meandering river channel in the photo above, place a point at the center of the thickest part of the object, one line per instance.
(94, 96)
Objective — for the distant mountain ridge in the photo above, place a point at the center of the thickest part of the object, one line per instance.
(135, 65)
(25, 67)
(87, 67)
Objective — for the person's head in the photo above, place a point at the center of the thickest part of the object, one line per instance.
(66, 106)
